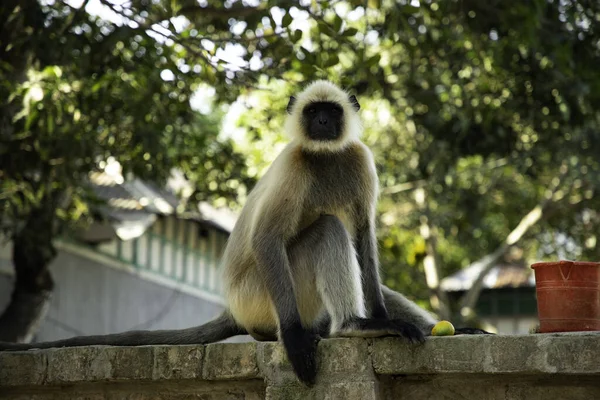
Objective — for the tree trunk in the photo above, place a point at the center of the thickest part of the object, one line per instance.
(438, 298)
(485, 264)
(32, 253)
(32, 243)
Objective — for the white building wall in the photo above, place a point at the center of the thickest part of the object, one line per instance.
(97, 294)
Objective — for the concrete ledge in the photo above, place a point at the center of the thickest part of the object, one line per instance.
(568, 354)
(485, 367)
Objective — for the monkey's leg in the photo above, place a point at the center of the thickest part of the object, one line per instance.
(326, 247)
(324, 267)
(399, 307)
(220, 328)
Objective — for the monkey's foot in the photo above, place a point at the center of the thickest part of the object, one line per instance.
(301, 348)
(370, 327)
(471, 331)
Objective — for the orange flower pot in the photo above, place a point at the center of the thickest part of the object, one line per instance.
(568, 296)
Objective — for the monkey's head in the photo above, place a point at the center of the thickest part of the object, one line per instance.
(323, 117)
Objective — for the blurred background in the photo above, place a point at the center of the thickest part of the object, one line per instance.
(132, 131)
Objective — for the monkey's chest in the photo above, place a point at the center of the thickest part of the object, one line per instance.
(335, 194)
(333, 191)
(339, 183)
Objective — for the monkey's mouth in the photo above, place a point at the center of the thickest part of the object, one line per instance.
(324, 134)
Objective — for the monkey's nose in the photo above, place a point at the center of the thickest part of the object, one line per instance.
(322, 121)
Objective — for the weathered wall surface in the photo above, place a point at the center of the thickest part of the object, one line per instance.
(565, 366)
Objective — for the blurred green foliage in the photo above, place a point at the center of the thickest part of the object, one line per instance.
(478, 104)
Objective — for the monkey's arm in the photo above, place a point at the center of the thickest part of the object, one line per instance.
(273, 263)
(399, 313)
(378, 321)
(274, 226)
(368, 259)
(366, 241)
(274, 266)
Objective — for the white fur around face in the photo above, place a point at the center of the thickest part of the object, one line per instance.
(324, 91)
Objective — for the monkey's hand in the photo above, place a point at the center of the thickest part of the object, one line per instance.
(301, 348)
(398, 327)
(471, 331)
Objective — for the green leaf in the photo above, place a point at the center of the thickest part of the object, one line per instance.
(287, 20)
(297, 36)
(374, 60)
(350, 32)
(50, 123)
(337, 23)
(52, 71)
(332, 60)
(324, 28)
(408, 9)
(96, 86)
(31, 118)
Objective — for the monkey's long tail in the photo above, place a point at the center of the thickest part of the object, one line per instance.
(220, 328)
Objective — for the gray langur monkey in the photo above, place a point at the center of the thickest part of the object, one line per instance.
(302, 261)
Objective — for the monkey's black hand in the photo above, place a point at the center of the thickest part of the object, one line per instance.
(407, 330)
(301, 348)
(471, 331)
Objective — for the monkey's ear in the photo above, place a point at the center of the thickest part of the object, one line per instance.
(354, 102)
(290, 104)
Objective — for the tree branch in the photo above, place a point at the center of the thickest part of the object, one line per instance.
(486, 263)
(439, 298)
(73, 16)
(214, 12)
(175, 38)
(403, 187)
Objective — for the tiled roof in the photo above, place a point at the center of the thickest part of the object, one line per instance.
(132, 206)
(501, 276)
(133, 195)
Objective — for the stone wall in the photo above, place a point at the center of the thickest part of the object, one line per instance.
(549, 367)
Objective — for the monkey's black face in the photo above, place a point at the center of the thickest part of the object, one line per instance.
(323, 120)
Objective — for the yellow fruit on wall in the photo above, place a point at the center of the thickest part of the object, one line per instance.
(443, 328)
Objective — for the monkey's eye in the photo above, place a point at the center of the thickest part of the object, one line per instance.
(312, 110)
